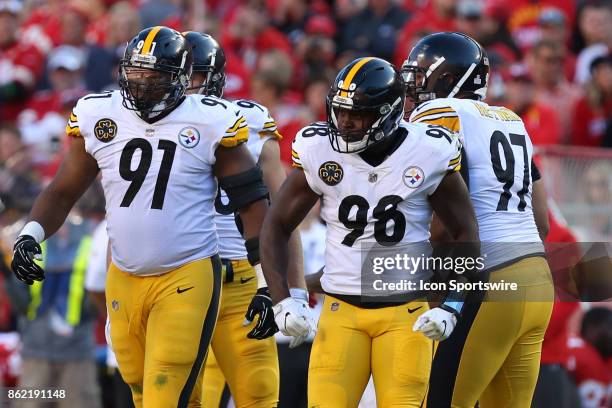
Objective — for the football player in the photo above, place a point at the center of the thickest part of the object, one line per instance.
(160, 154)
(496, 364)
(249, 367)
(379, 179)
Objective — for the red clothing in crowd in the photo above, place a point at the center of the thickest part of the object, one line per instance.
(589, 124)
(554, 347)
(288, 131)
(523, 17)
(561, 257)
(425, 20)
(542, 124)
(237, 79)
(590, 372)
(47, 20)
(23, 63)
(249, 49)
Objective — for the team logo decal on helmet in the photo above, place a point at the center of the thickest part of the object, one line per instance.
(331, 173)
(189, 137)
(105, 130)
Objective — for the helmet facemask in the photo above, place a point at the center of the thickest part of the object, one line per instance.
(148, 88)
(212, 84)
(376, 123)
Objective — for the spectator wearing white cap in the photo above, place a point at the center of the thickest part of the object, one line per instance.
(43, 122)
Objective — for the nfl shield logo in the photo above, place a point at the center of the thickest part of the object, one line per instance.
(372, 177)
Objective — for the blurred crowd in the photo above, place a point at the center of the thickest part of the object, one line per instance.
(551, 63)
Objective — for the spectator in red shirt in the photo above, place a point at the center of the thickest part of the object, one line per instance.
(437, 15)
(21, 64)
(545, 62)
(594, 109)
(249, 34)
(588, 354)
(553, 26)
(43, 122)
(541, 121)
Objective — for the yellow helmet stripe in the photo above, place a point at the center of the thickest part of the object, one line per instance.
(351, 74)
(149, 40)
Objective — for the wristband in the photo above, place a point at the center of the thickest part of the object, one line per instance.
(261, 280)
(299, 293)
(35, 230)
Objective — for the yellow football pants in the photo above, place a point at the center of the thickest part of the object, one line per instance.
(352, 342)
(249, 366)
(493, 356)
(160, 329)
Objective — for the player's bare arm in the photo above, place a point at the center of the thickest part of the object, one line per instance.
(313, 281)
(293, 201)
(540, 208)
(274, 175)
(75, 175)
(451, 202)
(78, 170)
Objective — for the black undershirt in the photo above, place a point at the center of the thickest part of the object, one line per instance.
(379, 152)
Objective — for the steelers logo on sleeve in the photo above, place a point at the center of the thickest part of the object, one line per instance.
(105, 130)
(331, 173)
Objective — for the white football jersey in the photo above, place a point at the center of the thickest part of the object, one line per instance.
(365, 206)
(158, 178)
(499, 152)
(262, 128)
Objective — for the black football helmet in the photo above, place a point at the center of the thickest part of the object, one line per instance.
(209, 59)
(371, 87)
(155, 71)
(446, 65)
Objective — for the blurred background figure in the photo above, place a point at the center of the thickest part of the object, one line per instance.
(21, 63)
(373, 30)
(541, 121)
(590, 355)
(545, 62)
(594, 37)
(594, 109)
(56, 318)
(43, 121)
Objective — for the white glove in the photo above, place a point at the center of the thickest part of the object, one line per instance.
(292, 316)
(436, 324)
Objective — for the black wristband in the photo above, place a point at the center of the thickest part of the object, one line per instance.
(252, 247)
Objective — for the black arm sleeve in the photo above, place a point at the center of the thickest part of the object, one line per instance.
(244, 188)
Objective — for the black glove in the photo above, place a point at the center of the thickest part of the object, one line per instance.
(261, 305)
(23, 264)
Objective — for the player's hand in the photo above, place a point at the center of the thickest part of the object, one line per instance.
(25, 251)
(261, 306)
(293, 318)
(436, 324)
